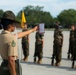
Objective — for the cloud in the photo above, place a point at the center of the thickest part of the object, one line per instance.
(57, 8)
(53, 6)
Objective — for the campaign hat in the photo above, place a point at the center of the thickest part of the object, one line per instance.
(9, 15)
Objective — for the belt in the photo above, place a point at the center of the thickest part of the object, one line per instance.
(6, 61)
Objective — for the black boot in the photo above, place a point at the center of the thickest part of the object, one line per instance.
(34, 59)
(68, 56)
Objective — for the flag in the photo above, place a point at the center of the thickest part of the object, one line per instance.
(23, 20)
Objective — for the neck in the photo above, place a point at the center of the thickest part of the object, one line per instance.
(72, 29)
(8, 30)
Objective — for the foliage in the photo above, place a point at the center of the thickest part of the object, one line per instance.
(67, 17)
(35, 15)
(1, 12)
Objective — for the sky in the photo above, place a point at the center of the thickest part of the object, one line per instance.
(52, 6)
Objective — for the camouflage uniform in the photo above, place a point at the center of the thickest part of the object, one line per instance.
(39, 46)
(71, 42)
(25, 45)
(74, 50)
(57, 46)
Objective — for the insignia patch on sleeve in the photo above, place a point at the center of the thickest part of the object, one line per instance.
(13, 43)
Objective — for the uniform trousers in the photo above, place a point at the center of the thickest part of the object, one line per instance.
(58, 52)
(4, 70)
(38, 51)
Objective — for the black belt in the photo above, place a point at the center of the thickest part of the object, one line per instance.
(6, 61)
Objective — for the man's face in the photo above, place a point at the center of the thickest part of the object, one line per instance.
(12, 27)
(25, 25)
(72, 27)
(38, 29)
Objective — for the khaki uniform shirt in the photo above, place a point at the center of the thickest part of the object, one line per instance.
(8, 45)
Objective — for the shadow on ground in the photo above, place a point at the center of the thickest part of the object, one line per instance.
(49, 66)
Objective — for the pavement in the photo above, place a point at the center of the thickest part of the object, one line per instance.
(31, 68)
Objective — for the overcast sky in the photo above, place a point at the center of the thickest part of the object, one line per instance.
(52, 6)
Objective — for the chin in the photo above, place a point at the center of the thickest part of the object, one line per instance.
(12, 30)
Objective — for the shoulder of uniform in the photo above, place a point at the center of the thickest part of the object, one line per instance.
(11, 37)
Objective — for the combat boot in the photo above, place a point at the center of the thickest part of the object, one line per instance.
(25, 58)
(68, 56)
(57, 64)
(39, 61)
(34, 59)
(52, 64)
(73, 66)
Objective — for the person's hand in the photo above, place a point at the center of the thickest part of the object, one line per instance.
(35, 28)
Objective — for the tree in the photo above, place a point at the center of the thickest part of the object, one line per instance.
(1, 12)
(67, 17)
(36, 15)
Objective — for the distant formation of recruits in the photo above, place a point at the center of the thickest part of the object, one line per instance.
(38, 46)
(57, 46)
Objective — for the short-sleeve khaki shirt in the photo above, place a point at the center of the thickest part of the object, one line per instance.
(8, 45)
